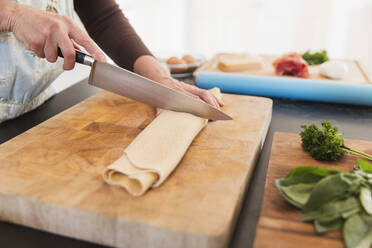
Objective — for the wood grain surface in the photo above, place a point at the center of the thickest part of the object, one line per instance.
(51, 176)
(280, 224)
(356, 72)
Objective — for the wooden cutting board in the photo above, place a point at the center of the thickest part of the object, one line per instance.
(280, 224)
(51, 176)
(356, 74)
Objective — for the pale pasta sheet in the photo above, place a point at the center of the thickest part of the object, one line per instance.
(155, 152)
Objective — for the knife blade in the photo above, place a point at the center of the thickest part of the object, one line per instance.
(126, 83)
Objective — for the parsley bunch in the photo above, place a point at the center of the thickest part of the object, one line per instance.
(315, 58)
(326, 143)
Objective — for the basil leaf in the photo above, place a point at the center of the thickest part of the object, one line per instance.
(366, 199)
(296, 194)
(328, 226)
(350, 212)
(307, 174)
(333, 209)
(365, 166)
(358, 231)
(329, 188)
(334, 200)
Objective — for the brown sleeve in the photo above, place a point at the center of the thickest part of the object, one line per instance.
(111, 30)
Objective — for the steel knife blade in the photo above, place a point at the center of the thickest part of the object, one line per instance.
(126, 83)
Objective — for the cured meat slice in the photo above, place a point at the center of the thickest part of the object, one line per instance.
(291, 64)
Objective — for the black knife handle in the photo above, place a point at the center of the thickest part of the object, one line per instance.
(80, 57)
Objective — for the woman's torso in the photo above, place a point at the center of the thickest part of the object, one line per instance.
(25, 79)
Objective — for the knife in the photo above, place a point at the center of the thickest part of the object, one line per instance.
(126, 83)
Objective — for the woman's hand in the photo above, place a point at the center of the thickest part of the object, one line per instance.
(43, 32)
(149, 67)
(192, 90)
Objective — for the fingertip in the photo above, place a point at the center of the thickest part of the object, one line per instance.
(101, 58)
(220, 102)
(104, 60)
(214, 104)
(51, 59)
(68, 67)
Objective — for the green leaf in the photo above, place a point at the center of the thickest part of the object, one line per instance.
(358, 231)
(333, 199)
(298, 184)
(366, 199)
(328, 226)
(313, 172)
(350, 212)
(296, 194)
(333, 209)
(307, 174)
(364, 165)
(327, 189)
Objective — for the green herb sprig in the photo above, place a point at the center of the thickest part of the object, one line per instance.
(333, 200)
(315, 58)
(326, 143)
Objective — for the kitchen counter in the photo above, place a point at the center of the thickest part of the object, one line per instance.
(354, 121)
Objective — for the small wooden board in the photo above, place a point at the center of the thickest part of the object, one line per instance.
(51, 176)
(280, 224)
(356, 72)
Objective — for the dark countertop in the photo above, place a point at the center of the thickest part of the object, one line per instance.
(354, 121)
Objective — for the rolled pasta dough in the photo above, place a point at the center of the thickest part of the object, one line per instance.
(155, 152)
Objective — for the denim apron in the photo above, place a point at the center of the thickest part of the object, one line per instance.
(25, 79)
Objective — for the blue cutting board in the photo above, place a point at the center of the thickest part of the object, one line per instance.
(355, 88)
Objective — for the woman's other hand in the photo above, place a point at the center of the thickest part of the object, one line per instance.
(149, 67)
